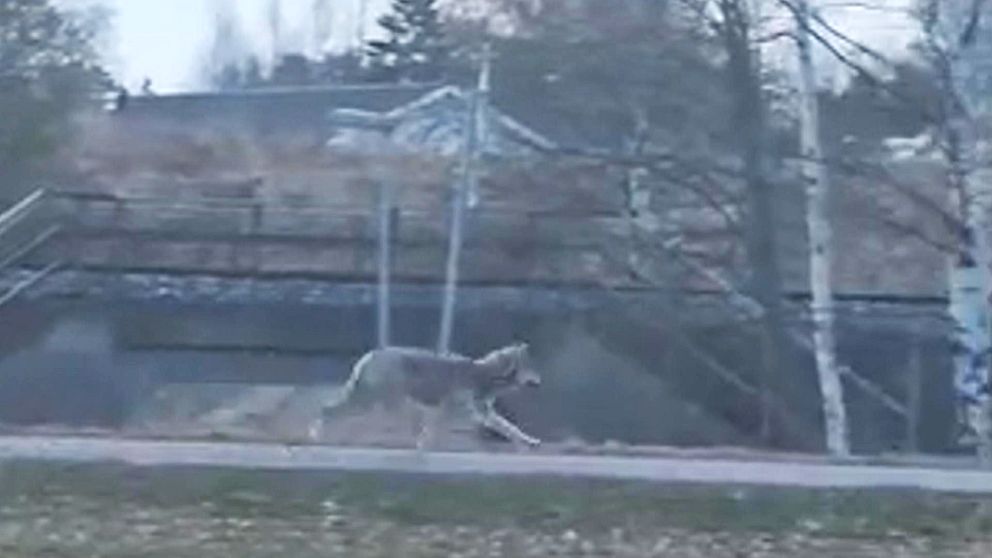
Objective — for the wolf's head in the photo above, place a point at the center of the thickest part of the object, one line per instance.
(514, 365)
(524, 372)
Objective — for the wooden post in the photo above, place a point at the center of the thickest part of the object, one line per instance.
(914, 385)
(254, 232)
(385, 261)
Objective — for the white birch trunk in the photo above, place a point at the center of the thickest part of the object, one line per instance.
(817, 185)
(970, 285)
(960, 34)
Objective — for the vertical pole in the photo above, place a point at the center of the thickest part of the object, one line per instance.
(817, 184)
(385, 261)
(465, 186)
(914, 385)
(480, 119)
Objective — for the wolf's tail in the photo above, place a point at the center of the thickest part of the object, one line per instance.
(357, 372)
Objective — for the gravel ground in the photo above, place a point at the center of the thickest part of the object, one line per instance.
(110, 511)
(285, 414)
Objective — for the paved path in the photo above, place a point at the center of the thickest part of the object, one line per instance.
(654, 469)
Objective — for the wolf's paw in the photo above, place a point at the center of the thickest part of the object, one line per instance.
(529, 443)
(315, 431)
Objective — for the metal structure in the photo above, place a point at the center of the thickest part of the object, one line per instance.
(18, 240)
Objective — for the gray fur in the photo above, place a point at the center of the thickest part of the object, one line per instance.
(433, 381)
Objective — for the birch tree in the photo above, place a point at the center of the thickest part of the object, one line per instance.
(735, 177)
(740, 24)
(816, 181)
(959, 41)
(49, 68)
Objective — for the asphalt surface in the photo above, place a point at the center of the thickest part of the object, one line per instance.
(654, 469)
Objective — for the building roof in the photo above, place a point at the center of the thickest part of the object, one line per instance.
(436, 121)
(266, 110)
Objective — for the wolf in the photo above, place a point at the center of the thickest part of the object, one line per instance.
(387, 376)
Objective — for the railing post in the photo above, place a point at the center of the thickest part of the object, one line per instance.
(385, 261)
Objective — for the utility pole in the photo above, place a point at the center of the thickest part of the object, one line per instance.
(817, 184)
(466, 185)
(480, 118)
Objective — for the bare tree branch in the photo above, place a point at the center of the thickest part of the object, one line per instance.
(971, 27)
(792, 421)
(772, 37)
(721, 371)
(754, 310)
(914, 232)
(858, 68)
(857, 45)
(854, 167)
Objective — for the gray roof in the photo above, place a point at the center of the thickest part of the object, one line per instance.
(307, 109)
(436, 122)
(268, 110)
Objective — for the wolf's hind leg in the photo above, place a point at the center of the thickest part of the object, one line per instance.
(427, 425)
(341, 402)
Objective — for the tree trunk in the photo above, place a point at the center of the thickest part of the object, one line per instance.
(969, 310)
(968, 307)
(816, 182)
(952, 30)
(744, 67)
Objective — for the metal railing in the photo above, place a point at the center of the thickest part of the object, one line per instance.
(247, 235)
(14, 249)
(106, 231)
(21, 210)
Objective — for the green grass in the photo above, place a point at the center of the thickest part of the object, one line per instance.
(535, 503)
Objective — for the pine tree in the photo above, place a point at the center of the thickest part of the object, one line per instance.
(415, 48)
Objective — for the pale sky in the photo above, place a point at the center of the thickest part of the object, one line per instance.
(166, 40)
(883, 25)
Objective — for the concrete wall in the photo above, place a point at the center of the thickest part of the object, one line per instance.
(97, 364)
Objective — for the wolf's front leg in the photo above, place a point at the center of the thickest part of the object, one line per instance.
(315, 430)
(487, 416)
